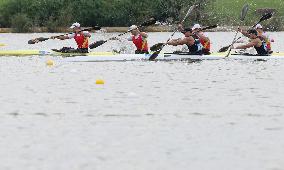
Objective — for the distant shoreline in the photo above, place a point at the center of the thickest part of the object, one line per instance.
(124, 29)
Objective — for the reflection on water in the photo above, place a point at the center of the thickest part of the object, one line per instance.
(147, 115)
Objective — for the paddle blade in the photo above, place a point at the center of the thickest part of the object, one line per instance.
(97, 44)
(151, 21)
(244, 12)
(90, 29)
(31, 42)
(209, 27)
(266, 17)
(97, 28)
(224, 49)
(154, 55)
(263, 18)
(157, 47)
(189, 12)
(40, 39)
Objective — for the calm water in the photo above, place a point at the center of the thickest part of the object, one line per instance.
(218, 115)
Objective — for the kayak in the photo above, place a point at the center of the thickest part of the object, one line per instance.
(53, 53)
(21, 52)
(170, 56)
(111, 56)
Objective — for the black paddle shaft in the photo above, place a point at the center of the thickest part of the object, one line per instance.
(40, 39)
(242, 18)
(96, 44)
(158, 46)
(156, 53)
(263, 18)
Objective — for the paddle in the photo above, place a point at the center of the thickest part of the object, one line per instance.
(209, 27)
(263, 18)
(224, 49)
(40, 39)
(243, 15)
(96, 44)
(158, 46)
(157, 52)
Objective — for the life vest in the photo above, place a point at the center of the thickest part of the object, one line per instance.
(267, 40)
(262, 50)
(140, 44)
(81, 40)
(206, 44)
(197, 47)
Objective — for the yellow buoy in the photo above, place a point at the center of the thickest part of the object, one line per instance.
(50, 62)
(100, 81)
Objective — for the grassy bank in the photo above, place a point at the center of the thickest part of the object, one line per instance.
(227, 12)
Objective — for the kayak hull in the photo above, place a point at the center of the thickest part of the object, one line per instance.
(42, 52)
(110, 56)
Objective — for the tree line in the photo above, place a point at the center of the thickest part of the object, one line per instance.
(23, 15)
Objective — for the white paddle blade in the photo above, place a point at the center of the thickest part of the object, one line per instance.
(188, 12)
(244, 12)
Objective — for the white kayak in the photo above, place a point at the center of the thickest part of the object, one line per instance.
(111, 56)
(42, 53)
(169, 56)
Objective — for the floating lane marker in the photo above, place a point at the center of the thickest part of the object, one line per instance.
(100, 81)
(49, 62)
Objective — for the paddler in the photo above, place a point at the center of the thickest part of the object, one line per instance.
(255, 41)
(81, 38)
(261, 34)
(203, 38)
(190, 40)
(139, 39)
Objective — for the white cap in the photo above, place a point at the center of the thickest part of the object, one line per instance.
(132, 27)
(196, 26)
(258, 26)
(76, 24)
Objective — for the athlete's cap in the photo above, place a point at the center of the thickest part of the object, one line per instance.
(76, 24)
(258, 26)
(132, 27)
(196, 26)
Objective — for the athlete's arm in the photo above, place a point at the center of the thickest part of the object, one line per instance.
(251, 44)
(144, 34)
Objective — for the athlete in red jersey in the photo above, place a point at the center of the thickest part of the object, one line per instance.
(81, 38)
(139, 39)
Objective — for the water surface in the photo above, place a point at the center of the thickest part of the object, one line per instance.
(148, 115)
